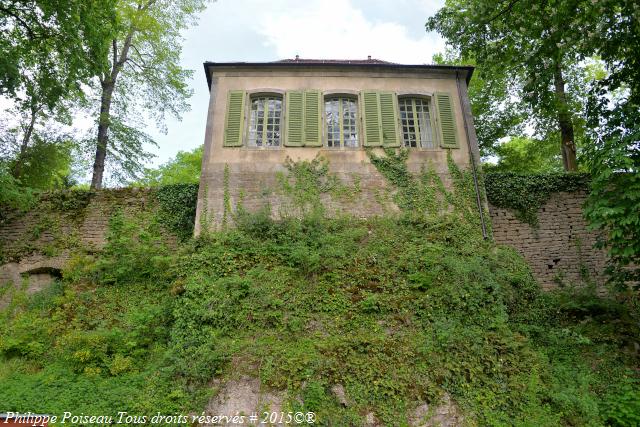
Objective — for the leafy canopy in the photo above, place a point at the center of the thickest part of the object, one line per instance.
(144, 78)
(52, 46)
(183, 168)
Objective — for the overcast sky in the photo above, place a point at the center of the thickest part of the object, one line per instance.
(268, 30)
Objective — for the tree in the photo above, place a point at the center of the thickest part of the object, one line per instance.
(496, 113)
(49, 49)
(526, 155)
(184, 168)
(143, 74)
(535, 42)
(67, 38)
(614, 158)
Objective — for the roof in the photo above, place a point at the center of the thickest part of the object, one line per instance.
(370, 63)
(298, 60)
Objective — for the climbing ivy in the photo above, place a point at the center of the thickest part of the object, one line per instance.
(307, 181)
(177, 211)
(424, 195)
(68, 200)
(525, 194)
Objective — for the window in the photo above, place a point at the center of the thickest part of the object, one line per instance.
(416, 122)
(341, 118)
(265, 121)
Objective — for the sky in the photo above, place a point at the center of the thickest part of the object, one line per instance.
(261, 30)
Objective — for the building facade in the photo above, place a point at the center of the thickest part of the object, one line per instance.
(261, 114)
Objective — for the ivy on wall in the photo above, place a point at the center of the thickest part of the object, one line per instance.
(525, 194)
(177, 211)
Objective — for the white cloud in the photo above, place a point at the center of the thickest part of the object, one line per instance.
(336, 29)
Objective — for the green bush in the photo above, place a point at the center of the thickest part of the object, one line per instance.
(397, 310)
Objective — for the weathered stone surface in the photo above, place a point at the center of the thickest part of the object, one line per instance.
(340, 394)
(561, 250)
(445, 414)
(38, 243)
(244, 396)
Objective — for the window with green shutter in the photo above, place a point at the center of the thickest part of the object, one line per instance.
(447, 119)
(234, 121)
(415, 118)
(341, 115)
(303, 118)
(265, 121)
(380, 119)
(312, 117)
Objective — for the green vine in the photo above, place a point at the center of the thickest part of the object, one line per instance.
(424, 196)
(526, 194)
(69, 200)
(178, 208)
(306, 183)
(226, 197)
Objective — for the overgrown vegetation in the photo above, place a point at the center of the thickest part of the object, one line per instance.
(398, 310)
(178, 208)
(526, 193)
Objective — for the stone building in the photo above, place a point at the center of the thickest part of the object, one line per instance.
(260, 114)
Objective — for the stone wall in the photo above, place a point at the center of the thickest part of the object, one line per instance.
(35, 246)
(560, 251)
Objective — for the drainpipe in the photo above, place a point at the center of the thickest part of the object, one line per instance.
(473, 162)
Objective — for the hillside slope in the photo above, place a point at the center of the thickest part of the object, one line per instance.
(358, 321)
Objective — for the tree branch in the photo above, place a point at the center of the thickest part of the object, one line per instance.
(115, 50)
(142, 67)
(15, 16)
(502, 12)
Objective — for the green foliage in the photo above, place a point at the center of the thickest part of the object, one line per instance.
(524, 155)
(622, 403)
(614, 207)
(177, 203)
(68, 201)
(135, 250)
(424, 195)
(526, 193)
(52, 46)
(143, 74)
(12, 195)
(127, 150)
(46, 164)
(614, 158)
(396, 310)
(496, 113)
(183, 169)
(305, 186)
(553, 56)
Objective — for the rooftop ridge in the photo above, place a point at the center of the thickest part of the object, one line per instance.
(299, 60)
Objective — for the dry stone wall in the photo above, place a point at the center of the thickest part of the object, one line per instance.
(35, 245)
(560, 250)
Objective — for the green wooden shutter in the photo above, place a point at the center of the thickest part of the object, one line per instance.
(371, 119)
(389, 119)
(447, 119)
(234, 122)
(312, 117)
(295, 119)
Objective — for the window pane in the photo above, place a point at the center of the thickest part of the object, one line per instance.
(264, 123)
(416, 122)
(341, 122)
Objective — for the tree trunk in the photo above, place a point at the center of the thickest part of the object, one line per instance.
(17, 168)
(103, 134)
(567, 144)
(108, 85)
